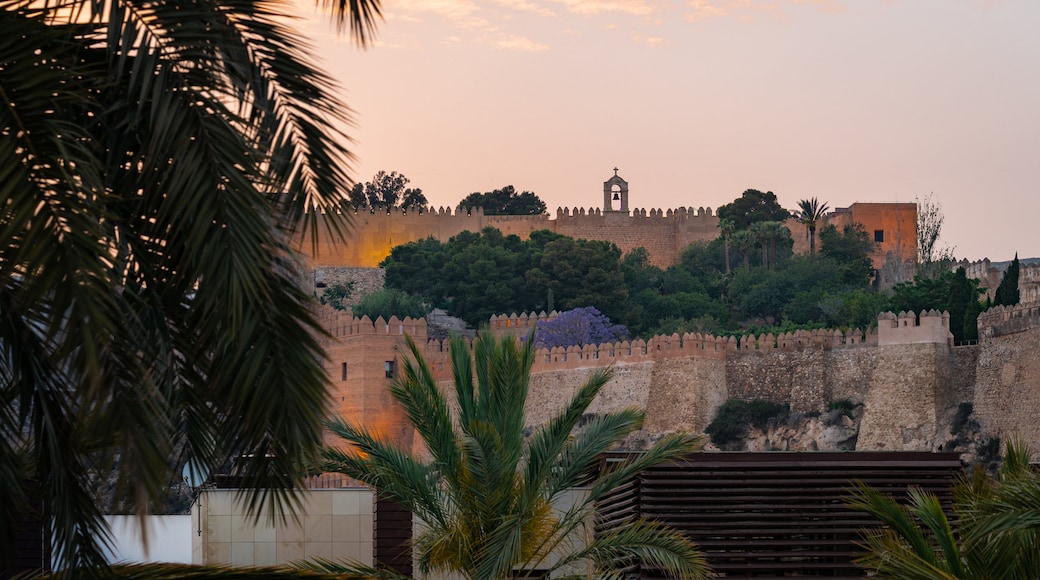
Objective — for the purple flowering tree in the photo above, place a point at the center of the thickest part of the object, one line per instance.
(579, 326)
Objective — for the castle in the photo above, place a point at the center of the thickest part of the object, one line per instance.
(664, 233)
(907, 373)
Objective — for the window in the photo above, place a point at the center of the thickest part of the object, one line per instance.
(389, 366)
(343, 370)
(879, 236)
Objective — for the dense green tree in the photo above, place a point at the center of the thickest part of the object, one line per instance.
(505, 201)
(962, 292)
(491, 500)
(583, 273)
(726, 229)
(158, 161)
(851, 247)
(1007, 293)
(971, 320)
(744, 240)
(810, 213)
(387, 190)
(921, 294)
(751, 207)
(391, 302)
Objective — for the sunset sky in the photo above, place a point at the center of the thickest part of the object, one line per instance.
(697, 100)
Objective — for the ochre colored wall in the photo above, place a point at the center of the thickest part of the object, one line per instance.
(664, 233)
(897, 222)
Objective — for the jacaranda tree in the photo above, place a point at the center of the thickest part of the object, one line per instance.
(158, 162)
(490, 501)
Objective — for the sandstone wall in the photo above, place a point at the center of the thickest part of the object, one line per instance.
(1007, 382)
(907, 374)
(366, 280)
(909, 392)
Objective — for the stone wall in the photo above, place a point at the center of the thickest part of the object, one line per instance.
(906, 373)
(366, 280)
(664, 233)
(1007, 382)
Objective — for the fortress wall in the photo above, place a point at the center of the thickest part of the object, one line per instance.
(909, 392)
(909, 377)
(366, 280)
(963, 367)
(651, 230)
(1007, 381)
(684, 394)
(373, 234)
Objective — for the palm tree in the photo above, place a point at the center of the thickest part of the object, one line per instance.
(997, 533)
(745, 242)
(726, 226)
(157, 162)
(490, 501)
(810, 214)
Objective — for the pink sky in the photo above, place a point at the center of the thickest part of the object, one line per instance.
(696, 101)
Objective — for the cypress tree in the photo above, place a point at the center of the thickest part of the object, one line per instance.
(957, 302)
(1007, 292)
(971, 320)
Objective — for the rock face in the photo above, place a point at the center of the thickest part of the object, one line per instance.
(834, 431)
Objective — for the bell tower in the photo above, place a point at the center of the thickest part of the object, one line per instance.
(615, 194)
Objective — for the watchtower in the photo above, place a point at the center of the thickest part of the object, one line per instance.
(615, 189)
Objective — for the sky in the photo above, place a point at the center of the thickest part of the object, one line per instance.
(695, 101)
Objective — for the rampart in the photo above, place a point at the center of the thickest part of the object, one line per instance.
(1007, 385)
(906, 372)
(664, 233)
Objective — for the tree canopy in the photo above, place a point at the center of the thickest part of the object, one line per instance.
(158, 161)
(387, 190)
(505, 201)
(751, 207)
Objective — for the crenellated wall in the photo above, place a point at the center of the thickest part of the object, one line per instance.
(664, 233)
(906, 372)
(1007, 384)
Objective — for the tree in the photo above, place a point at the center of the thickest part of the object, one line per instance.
(505, 201)
(753, 206)
(391, 302)
(810, 213)
(996, 533)
(337, 294)
(159, 162)
(962, 293)
(387, 190)
(744, 240)
(726, 229)
(490, 500)
(579, 326)
(930, 220)
(851, 247)
(1007, 293)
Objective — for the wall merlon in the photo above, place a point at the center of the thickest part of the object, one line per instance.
(931, 326)
(1005, 320)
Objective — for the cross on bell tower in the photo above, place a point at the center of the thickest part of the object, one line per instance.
(615, 189)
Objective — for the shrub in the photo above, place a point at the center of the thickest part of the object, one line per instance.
(735, 416)
(391, 302)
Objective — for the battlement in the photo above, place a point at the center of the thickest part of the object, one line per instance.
(1004, 320)
(681, 213)
(931, 327)
(344, 324)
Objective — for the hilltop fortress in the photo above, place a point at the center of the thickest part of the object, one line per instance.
(906, 373)
(664, 233)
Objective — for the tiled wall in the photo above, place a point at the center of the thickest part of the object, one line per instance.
(334, 524)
